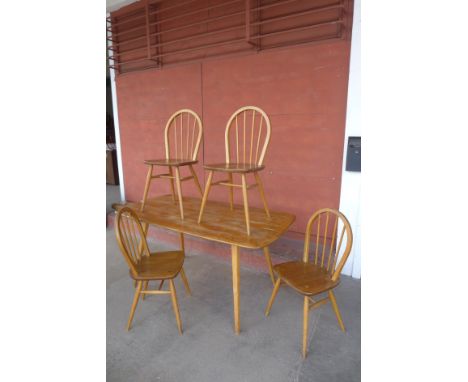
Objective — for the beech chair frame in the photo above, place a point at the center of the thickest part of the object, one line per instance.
(185, 146)
(245, 162)
(324, 271)
(131, 238)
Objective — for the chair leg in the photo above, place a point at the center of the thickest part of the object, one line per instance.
(179, 193)
(185, 280)
(205, 196)
(161, 284)
(305, 326)
(182, 273)
(195, 178)
(266, 251)
(175, 305)
(182, 244)
(262, 193)
(231, 192)
(171, 173)
(273, 296)
(145, 287)
(134, 305)
(331, 295)
(147, 186)
(246, 203)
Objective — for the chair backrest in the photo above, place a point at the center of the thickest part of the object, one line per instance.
(333, 239)
(130, 237)
(183, 135)
(251, 127)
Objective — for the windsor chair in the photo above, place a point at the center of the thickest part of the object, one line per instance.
(242, 121)
(182, 150)
(146, 266)
(322, 274)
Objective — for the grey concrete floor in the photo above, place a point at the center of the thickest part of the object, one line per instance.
(267, 349)
(112, 196)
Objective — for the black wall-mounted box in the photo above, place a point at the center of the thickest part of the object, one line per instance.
(353, 156)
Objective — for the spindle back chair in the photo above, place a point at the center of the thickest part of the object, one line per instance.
(131, 239)
(329, 240)
(320, 268)
(182, 135)
(182, 138)
(247, 137)
(146, 266)
(254, 128)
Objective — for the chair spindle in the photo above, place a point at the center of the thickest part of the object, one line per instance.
(317, 240)
(244, 135)
(330, 254)
(258, 140)
(324, 245)
(252, 136)
(337, 253)
(237, 141)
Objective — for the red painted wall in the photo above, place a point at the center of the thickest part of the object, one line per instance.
(302, 89)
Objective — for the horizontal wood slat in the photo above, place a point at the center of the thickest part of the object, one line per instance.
(150, 34)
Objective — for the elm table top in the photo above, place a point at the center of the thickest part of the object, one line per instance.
(219, 223)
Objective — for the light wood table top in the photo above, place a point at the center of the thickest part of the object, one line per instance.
(219, 223)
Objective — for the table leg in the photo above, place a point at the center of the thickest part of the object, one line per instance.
(235, 286)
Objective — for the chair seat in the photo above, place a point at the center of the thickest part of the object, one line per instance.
(159, 266)
(308, 279)
(234, 167)
(170, 162)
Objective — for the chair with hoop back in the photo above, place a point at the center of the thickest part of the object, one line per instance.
(146, 266)
(182, 137)
(322, 274)
(251, 128)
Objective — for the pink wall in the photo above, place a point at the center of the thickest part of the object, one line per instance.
(302, 89)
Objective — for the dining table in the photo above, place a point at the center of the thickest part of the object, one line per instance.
(220, 224)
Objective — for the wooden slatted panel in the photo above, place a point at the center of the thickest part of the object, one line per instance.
(150, 34)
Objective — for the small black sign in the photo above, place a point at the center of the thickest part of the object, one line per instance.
(353, 156)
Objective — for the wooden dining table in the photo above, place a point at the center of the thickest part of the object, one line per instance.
(220, 224)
